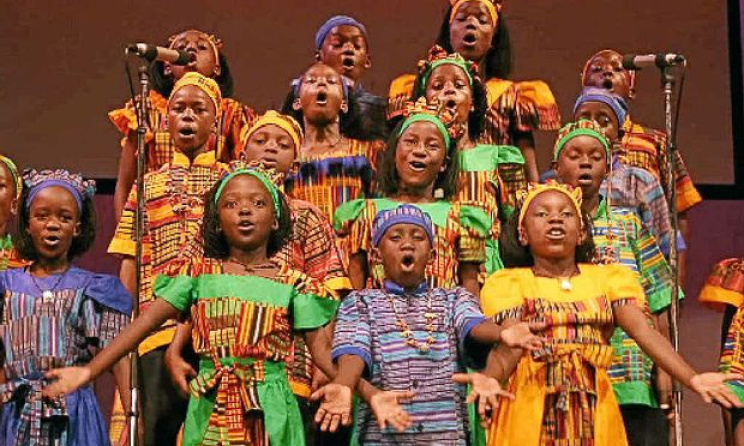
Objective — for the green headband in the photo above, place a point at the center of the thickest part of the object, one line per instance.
(271, 187)
(428, 118)
(579, 132)
(440, 62)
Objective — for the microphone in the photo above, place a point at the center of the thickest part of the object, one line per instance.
(638, 61)
(152, 52)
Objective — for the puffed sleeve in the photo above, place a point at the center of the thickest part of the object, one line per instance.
(352, 335)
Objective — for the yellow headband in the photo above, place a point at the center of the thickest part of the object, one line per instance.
(205, 84)
(284, 122)
(534, 190)
(493, 9)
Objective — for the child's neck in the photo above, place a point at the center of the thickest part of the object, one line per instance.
(322, 136)
(44, 266)
(555, 267)
(411, 194)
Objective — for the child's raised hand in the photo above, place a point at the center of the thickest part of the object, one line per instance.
(521, 335)
(385, 405)
(335, 407)
(65, 381)
(712, 388)
(486, 391)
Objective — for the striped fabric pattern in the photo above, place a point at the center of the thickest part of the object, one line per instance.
(174, 208)
(367, 327)
(336, 177)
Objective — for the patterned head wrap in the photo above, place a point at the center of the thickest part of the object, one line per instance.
(265, 176)
(493, 6)
(438, 56)
(13, 169)
(205, 84)
(405, 213)
(442, 118)
(581, 127)
(615, 102)
(284, 122)
(337, 20)
(214, 41)
(630, 74)
(74, 183)
(527, 196)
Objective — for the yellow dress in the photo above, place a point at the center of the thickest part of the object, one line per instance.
(563, 393)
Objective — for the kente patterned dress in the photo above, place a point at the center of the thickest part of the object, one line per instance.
(460, 233)
(620, 238)
(648, 149)
(490, 177)
(725, 286)
(368, 327)
(563, 392)
(242, 331)
(48, 323)
(312, 250)
(336, 177)
(234, 117)
(512, 107)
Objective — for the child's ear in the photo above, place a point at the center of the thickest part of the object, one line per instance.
(296, 104)
(344, 106)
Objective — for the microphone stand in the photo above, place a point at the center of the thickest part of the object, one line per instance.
(668, 81)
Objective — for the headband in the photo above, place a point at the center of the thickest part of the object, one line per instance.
(72, 182)
(404, 213)
(259, 174)
(581, 127)
(13, 169)
(615, 102)
(338, 20)
(208, 85)
(534, 190)
(214, 41)
(285, 122)
(493, 9)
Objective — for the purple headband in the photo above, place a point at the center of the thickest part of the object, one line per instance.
(404, 213)
(337, 20)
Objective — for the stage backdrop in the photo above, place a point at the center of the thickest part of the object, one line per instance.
(62, 64)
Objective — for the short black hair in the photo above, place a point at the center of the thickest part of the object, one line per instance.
(215, 244)
(387, 172)
(164, 84)
(80, 244)
(477, 117)
(514, 255)
(498, 59)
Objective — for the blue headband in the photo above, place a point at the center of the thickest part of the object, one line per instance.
(337, 20)
(405, 213)
(615, 102)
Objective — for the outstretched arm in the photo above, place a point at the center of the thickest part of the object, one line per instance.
(710, 386)
(70, 379)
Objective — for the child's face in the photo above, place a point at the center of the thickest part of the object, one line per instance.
(583, 163)
(8, 201)
(420, 155)
(54, 220)
(404, 251)
(345, 50)
(272, 146)
(191, 119)
(246, 213)
(471, 31)
(194, 42)
(552, 228)
(606, 71)
(321, 95)
(449, 84)
(603, 115)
